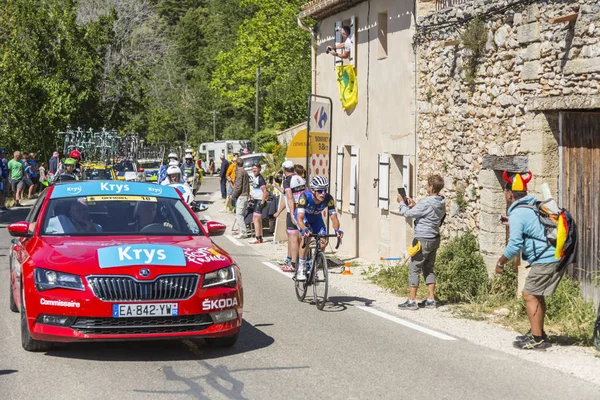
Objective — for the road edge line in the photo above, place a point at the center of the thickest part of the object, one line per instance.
(407, 324)
(234, 241)
(275, 268)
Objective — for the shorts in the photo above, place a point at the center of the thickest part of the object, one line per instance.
(258, 208)
(229, 191)
(35, 180)
(289, 224)
(25, 182)
(423, 261)
(316, 225)
(15, 184)
(543, 279)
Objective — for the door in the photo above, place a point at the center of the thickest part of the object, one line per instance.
(580, 192)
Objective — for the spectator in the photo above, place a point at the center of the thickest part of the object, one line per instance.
(429, 214)
(293, 186)
(3, 180)
(241, 194)
(347, 44)
(43, 175)
(53, 163)
(222, 179)
(525, 230)
(260, 197)
(33, 175)
(230, 176)
(16, 176)
(211, 166)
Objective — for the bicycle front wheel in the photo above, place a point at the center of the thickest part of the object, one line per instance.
(320, 280)
(301, 288)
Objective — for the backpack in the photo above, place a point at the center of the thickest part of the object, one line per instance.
(560, 231)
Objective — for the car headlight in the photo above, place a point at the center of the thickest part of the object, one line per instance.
(221, 277)
(46, 279)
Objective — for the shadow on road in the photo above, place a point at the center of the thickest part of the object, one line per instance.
(341, 303)
(250, 339)
(8, 371)
(13, 215)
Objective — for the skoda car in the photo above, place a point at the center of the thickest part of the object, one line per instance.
(120, 261)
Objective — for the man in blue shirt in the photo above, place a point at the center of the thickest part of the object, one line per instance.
(3, 179)
(528, 237)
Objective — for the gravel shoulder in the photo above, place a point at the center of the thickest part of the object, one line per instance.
(355, 290)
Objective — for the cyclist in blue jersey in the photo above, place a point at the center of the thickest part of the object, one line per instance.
(311, 205)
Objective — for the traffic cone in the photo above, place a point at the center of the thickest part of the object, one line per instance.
(347, 269)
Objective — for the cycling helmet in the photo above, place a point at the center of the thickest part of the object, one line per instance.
(172, 170)
(75, 154)
(174, 163)
(173, 155)
(319, 182)
(70, 161)
(188, 156)
(189, 150)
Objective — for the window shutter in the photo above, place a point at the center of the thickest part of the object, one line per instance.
(406, 174)
(338, 176)
(354, 180)
(384, 181)
(352, 59)
(338, 39)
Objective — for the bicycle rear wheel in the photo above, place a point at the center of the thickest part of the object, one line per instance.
(320, 280)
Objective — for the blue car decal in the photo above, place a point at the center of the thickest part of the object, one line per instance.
(141, 254)
(97, 188)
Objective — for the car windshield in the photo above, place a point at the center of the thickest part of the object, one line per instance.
(97, 174)
(126, 166)
(118, 215)
(150, 164)
(248, 162)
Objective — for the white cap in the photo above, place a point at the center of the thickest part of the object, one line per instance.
(287, 164)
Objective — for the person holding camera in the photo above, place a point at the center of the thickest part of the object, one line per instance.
(260, 196)
(347, 44)
(429, 215)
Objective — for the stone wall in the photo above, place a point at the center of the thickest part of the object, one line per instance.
(527, 58)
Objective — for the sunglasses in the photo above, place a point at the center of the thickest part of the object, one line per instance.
(321, 191)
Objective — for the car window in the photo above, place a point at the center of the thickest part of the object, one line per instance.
(248, 162)
(96, 174)
(118, 215)
(150, 164)
(126, 166)
(34, 213)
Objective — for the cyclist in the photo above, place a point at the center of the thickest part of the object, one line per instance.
(76, 155)
(188, 166)
(162, 172)
(68, 174)
(311, 205)
(173, 174)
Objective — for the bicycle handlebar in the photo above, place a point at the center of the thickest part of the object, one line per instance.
(319, 236)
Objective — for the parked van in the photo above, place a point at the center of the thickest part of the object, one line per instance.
(214, 150)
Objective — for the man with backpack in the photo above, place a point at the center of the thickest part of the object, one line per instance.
(531, 229)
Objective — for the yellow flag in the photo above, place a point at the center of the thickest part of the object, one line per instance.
(346, 77)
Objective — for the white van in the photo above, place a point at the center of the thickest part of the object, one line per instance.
(214, 150)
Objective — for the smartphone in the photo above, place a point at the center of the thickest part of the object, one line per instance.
(402, 193)
(502, 218)
(271, 180)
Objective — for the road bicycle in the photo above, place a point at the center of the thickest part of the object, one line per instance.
(317, 273)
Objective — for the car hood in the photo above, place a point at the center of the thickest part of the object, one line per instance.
(128, 255)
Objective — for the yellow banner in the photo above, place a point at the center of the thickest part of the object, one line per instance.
(348, 86)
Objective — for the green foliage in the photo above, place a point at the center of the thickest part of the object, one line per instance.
(459, 269)
(474, 38)
(395, 278)
(461, 201)
(265, 137)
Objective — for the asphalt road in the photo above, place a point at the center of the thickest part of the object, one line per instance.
(287, 350)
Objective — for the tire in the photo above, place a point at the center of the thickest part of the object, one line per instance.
(28, 343)
(320, 280)
(301, 289)
(11, 298)
(225, 341)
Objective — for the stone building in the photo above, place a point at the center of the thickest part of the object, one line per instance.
(532, 103)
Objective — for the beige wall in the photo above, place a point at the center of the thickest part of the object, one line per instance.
(387, 124)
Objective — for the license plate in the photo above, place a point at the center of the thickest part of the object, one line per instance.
(145, 310)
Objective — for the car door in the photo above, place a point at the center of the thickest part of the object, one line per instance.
(21, 247)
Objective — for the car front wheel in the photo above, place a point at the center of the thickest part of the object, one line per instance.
(13, 305)
(27, 341)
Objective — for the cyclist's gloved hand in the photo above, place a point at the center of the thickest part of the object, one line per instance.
(339, 233)
(305, 232)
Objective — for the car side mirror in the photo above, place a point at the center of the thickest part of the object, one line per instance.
(215, 228)
(19, 229)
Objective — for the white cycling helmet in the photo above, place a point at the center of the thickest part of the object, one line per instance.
(174, 163)
(188, 156)
(173, 169)
(173, 155)
(319, 182)
(188, 150)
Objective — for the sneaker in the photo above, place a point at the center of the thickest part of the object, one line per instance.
(408, 305)
(528, 335)
(427, 304)
(284, 261)
(531, 344)
(300, 275)
(241, 236)
(255, 241)
(288, 268)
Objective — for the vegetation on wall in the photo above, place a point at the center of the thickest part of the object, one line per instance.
(474, 39)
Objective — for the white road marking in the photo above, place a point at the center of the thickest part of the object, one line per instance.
(207, 217)
(276, 268)
(407, 324)
(234, 241)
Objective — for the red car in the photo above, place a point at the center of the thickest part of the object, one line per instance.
(120, 261)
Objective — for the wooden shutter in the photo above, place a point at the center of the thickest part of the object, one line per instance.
(339, 167)
(352, 59)
(338, 39)
(406, 174)
(354, 180)
(384, 181)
